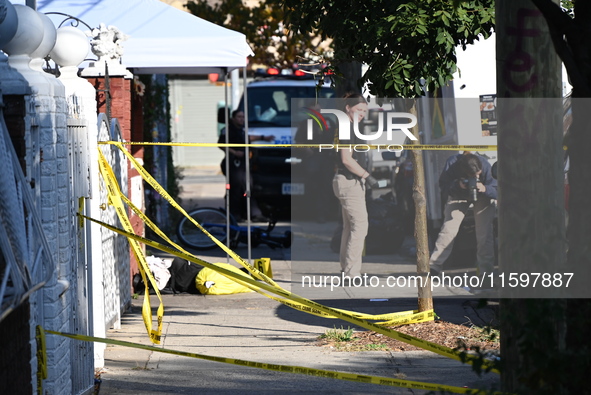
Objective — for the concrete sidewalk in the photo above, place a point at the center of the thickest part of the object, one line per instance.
(254, 328)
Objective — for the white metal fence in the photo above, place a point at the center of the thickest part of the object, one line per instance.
(115, 247)
(81, 353)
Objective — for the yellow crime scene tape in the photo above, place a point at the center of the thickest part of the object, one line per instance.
(41, 358)
(425, 316)
(358, 378)
(114, 197)
(117, 198)
(270, 285)
(426, 345)
(410, 147)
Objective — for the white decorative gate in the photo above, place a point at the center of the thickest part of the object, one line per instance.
(115, 247)
(81, 352)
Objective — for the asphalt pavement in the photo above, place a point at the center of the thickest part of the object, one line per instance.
(252, 327)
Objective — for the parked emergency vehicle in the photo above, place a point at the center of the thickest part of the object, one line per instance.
(269, 112)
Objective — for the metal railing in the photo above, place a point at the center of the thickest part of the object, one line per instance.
(25, 251)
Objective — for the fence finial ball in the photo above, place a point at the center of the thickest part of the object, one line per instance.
(29, 32)
(8, 22)
(71, 48)
(49, 38)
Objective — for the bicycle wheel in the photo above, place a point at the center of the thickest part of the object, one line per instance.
(212, 220)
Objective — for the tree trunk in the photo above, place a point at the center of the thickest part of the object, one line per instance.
(578, 341)
(531, 194)
(420, 228)
(349, 82)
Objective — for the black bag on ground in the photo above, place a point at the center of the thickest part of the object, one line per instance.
(182, 276)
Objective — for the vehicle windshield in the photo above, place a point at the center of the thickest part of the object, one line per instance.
(271, 105)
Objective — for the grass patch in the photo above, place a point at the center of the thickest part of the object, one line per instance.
(338, 335)
(342, 339)
(376, 346)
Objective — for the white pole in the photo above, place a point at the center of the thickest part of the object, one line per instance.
(227, 163)
(247, 160)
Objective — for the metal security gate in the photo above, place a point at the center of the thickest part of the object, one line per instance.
(115, 247)
(82, 353)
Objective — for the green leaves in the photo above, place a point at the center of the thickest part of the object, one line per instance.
(403, 42)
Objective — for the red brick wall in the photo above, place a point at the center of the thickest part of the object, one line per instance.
(120, 88)
(137, 123)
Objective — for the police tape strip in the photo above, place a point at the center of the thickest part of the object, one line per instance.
(417, 317)
(358, 378)
(394, 147)
(272, 287)
(400, 318)
(41, 358)
(256, 273)
(420, 317)
(390, 316)
(114, 197)
(426, 345)
(392, 319)
(158, 188)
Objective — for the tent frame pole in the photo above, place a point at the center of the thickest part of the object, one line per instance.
(247, 161)
(227, 161)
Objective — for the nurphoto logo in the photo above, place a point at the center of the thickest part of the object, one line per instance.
(394, 122)
(391, 126)
(362, 128)
(318, 118)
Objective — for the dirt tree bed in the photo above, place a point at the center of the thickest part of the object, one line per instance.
(438, 331)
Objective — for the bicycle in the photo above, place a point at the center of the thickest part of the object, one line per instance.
(213, 220)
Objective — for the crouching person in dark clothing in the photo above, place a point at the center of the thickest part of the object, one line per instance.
(466, 181)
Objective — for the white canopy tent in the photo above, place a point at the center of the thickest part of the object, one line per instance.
(162, 39)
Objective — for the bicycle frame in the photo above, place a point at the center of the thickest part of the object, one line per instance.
(239, 234)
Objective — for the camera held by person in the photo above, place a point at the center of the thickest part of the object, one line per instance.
(472, 185)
